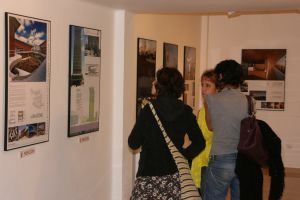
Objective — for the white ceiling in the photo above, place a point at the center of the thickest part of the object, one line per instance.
(201, 6)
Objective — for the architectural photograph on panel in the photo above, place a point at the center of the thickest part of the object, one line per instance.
(84, 80)
(27, 79)
(264, 74)
(170, 55)
(189, 75)
(146, 66)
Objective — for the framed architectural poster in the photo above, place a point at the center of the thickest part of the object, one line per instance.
(170, 54)
(189, 75)
(27, 78)
(264, 74)
(84, 80)
(146, 66)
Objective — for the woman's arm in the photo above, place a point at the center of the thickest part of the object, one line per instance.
(207, 116)
(196, 142)
(136, 138)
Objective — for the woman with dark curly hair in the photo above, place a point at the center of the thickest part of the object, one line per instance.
(225, 109)
(157, 176)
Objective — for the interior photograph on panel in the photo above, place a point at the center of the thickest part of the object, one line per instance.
(150, 100)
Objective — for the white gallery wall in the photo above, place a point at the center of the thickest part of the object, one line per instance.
(225, 39)
(104, 167)
(63, 168)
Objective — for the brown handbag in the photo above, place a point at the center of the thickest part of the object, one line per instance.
(251, 140)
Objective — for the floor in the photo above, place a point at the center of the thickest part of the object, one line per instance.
(292, 185)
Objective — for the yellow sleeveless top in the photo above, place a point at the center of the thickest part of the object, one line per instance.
(202, 159)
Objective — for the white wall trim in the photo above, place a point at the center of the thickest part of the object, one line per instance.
(117, 101)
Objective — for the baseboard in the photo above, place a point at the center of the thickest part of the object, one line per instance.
(292, 172)
(289, 172)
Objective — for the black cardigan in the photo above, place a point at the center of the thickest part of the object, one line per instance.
(178, 119)
(250, 173)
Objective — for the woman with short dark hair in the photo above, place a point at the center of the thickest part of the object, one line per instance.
(157, 173)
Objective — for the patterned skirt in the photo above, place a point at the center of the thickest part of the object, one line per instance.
(157, 187)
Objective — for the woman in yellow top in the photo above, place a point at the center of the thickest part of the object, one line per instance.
(208, 85)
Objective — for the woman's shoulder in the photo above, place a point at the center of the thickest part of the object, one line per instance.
(188, 112)
(187, 108)
(145, 109)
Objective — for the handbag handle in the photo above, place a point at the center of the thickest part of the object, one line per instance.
(251, 106)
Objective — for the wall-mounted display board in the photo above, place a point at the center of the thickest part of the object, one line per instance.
(264, 74)
(146, 66)
(189, 75)
(27, 81)
(84, 80)
(170, 55)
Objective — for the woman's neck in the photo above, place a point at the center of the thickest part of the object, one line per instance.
(229, 87)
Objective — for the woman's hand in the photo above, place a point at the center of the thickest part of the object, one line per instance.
(187, 142)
